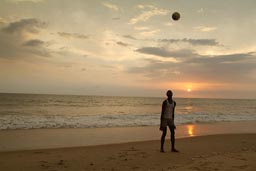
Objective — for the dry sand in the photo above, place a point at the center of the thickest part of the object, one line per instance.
(206, 153)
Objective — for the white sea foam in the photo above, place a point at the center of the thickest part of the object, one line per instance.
(114, 120)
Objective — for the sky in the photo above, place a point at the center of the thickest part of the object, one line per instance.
(129, 47)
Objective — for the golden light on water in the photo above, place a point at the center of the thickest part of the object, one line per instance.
(188, 90)
(190, 130)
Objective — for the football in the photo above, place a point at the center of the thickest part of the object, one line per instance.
(176, 16)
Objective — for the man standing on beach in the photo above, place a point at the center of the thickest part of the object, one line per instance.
(167, 119)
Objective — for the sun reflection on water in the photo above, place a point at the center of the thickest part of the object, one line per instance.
(190, 130)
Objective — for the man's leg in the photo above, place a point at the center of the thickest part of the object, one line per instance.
(172, 130)
(164, 131)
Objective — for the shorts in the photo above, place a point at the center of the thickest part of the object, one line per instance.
(167, 122)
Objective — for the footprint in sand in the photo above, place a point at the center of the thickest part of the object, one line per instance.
(133, 152)
(61, 162)
(47, 165)
(44, 164)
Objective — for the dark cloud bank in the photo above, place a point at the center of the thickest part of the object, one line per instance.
(192, 66)
(14, 43)
(30, 25)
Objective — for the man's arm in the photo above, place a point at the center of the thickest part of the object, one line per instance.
(162, 115)
(173, 110)
(163, 108)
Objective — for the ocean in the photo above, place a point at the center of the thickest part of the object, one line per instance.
(31, 111)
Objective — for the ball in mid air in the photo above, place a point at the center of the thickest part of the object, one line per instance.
(176, 16)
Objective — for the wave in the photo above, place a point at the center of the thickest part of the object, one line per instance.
(13, 121)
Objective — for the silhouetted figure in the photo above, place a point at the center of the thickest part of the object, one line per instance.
(167, 119)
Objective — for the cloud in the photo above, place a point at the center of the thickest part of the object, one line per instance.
(15, 44)
(72, 35)
(84, 69)
(2, 21)
(141, 28)
(140, 6)
(194, 42)
(130, 37)
(37, 47)
(201, 42)
(190, 56)
(156, 70)
(227, 68)
(43, 52)
(116, 18)
(223, 59)
(35, 1)
(205, 29)
(149, 33)
(201, 10)
(34, 43)
(15, 48)
(30, 25)
(222, 68)
(71, 52)
(162, 52)
(147, 14)
(111, 6)
(122, 44)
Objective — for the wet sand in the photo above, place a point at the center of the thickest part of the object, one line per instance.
(11, 140)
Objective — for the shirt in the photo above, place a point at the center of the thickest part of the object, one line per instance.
(168, 109)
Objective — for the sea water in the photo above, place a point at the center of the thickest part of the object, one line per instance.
(30, 111)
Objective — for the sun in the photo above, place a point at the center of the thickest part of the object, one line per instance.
(188, 90)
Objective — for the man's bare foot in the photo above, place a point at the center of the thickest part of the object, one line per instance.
(174, 150)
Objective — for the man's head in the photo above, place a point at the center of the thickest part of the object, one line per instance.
(169, 94)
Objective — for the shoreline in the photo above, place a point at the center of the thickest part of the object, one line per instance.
(16, 140)
(210, 152)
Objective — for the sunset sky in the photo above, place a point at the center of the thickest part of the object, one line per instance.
(129, 47)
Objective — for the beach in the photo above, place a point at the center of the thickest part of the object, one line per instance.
(121, 85)
(213, 152)
(224, 148)
(94, 133)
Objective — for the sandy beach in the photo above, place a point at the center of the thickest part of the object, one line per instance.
(214, 146)
(213, 152)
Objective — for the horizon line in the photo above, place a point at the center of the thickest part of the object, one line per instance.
(67, 94)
